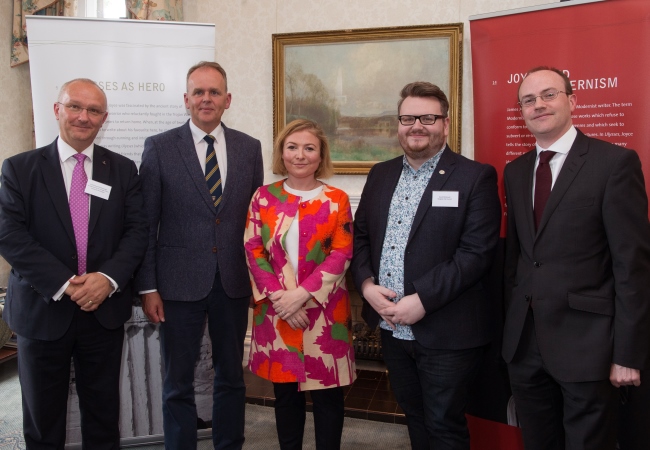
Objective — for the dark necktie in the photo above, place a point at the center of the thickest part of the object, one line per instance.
(79, 211)
(543, 182)
(212, 173)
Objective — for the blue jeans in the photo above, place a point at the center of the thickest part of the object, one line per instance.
(431, 386)
(180, 339)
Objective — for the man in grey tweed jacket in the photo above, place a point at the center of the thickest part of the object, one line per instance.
(195, 266)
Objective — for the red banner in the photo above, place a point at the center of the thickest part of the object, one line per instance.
(603, 47)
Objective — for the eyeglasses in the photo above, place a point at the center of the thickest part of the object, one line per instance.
(546, 97)
(427, 119)
(76, 109)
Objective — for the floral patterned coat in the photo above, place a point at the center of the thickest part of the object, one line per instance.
(321, 355)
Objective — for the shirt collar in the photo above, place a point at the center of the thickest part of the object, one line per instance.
(429, 164)
(562, 145)
(198, 134)
(66, 151)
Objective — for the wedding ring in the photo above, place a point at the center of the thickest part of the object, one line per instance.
(90, 302)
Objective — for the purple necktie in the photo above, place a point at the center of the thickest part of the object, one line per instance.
(79, 211)
(543, 182)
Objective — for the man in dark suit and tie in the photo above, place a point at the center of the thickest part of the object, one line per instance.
(198, 180)
(73, 229)
(425, 234)
(577, 268)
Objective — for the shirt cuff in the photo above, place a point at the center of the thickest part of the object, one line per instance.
(113, 283)
(59, 294)
(147, 292)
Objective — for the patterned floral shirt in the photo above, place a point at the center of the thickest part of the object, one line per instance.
(403, 205)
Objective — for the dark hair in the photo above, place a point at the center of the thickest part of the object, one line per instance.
(424, 89)
(567, 83)
(209, 64)
(325, 168)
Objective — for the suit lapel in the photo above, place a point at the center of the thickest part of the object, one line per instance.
(187, 151)
(51, 169)
(574, 161)
(527, 192)
(234, 158)
(443, 171)
(101, 173)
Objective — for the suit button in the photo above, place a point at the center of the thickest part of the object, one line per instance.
(74, 256)
(527, 297)
(218, 221)
(537, 264)
(214, 249)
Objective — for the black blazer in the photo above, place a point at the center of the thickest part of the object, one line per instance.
(587, 268)
(449, 251)
(189, 240)
(37, 239)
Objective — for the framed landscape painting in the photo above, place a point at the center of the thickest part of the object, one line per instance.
(348, 81)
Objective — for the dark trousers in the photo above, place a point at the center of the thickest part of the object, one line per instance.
(289, 407)
(432, 387)
(44, 373)
(558, 415)
(180, 340)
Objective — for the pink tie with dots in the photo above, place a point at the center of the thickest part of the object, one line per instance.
(79, 211)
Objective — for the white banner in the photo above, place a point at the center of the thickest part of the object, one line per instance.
(141, 65)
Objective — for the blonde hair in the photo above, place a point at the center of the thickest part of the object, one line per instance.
(325, 168)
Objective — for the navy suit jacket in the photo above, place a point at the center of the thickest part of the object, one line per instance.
(37, 239)
(587, 268)
(189, 239)
(449, 250)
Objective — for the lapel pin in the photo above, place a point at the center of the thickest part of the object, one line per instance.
(441, 172)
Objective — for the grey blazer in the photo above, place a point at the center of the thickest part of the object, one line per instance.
(189, 239)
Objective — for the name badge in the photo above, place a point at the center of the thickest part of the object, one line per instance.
(445, 199)
(98, 189)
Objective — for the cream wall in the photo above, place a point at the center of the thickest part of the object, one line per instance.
(15, 101)
(243, 47)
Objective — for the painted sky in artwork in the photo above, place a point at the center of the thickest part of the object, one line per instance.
(366, 77)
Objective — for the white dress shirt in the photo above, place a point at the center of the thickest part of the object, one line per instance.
(219, 148)
(561, 147)
(68, 163)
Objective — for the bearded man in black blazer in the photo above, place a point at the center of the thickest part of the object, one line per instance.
(73, 256)
(195, 266)
(425, 234)
(577, 281)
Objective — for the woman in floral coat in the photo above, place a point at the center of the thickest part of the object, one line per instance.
(298, 244)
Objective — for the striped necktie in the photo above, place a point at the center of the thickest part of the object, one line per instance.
(212, 173)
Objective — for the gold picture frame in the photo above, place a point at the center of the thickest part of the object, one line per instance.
(349, 82)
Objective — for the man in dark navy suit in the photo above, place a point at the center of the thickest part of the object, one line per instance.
(425, 234)
(577, 261)
(73, 229)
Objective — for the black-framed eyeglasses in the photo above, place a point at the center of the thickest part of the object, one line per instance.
(426, 119)
(76, 109)
(547, 96)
